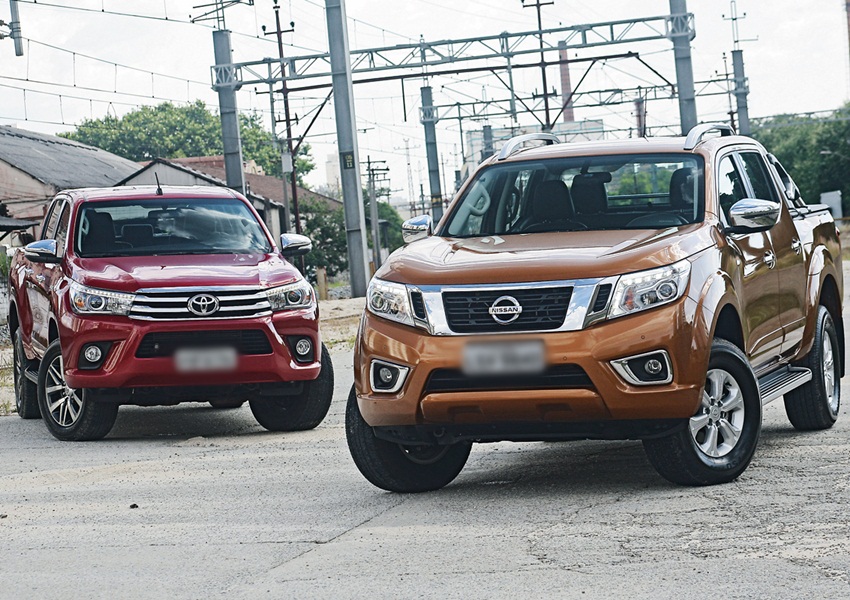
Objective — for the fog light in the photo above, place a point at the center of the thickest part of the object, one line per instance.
(386, 377)
(653, 366)
(303, 347)
(93, 354)
(385, 374)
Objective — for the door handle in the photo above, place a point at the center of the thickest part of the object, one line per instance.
(770, 259)
(40, 278)
(797, 246)
(28, 271)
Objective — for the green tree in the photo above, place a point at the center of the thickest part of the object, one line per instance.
(171, 131)
(814, 151)
(325, 226)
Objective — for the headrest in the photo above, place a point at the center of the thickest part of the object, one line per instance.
(551, 201)
(681, 188)
(589, 195)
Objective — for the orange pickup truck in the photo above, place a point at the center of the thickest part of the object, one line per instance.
(653, 289)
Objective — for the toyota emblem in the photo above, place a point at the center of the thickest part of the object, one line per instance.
(505, 309)
(203, 305)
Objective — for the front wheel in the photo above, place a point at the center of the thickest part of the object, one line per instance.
(70, 415)
(298, 413)
(718, 442)
(815, 404)
(396, 467)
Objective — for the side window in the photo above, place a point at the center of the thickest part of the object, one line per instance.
(62, 229)
(730, 185)
(760, 180)
(52, 217)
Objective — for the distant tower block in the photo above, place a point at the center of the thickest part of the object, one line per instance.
(567, 86)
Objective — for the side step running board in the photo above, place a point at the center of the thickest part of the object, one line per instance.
(773, 385)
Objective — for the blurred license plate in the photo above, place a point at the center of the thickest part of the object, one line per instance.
(201, 360)
(514, 358)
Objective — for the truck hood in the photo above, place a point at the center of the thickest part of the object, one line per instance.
(542, 256)
(132, 273)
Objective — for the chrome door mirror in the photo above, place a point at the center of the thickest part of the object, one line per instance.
(42, 251)
(292, 245)
(416, 228)
(750, 215)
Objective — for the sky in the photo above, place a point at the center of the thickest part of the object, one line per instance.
(88, 63)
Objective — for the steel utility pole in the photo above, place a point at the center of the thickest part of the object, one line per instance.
(538, 5)
(682, 34)
(429, 119)
(346, 130)
(15, 28)
(742, 88)
(287, 159)
(374, 216)
(226, 83)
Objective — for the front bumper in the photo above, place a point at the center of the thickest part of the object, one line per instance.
(121, 368)
(603, 395)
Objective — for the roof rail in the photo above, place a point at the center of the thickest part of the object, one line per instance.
(515, 143)
(696, 133)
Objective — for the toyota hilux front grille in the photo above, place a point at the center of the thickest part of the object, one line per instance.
(200, 303)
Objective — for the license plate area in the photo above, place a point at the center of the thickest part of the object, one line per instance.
(205, 360)
(525, 357)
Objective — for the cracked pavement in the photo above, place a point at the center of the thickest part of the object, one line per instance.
(227, 510)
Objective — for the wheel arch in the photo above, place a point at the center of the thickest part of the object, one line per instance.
(830, 299)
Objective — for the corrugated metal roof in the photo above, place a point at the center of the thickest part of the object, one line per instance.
(60, 162)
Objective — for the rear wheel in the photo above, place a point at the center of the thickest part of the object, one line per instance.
(718, 442)
(396, 467)
(70, 415)
(26, 391)
(815, 404)
(298, 413)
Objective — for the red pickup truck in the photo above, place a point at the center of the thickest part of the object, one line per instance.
(156, 296)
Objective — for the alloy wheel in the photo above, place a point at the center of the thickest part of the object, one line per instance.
(18, 376)
(830, 379)
(716, 428)
(63, 403)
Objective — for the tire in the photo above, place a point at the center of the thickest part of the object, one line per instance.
(815, 405)
(397, 468)
(226, 403)
(299, 413)
(705, 451)
(26, 392)
(75, 416)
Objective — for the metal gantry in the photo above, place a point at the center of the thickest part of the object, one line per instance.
(341, 67)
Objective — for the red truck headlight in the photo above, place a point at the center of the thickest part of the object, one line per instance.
(89, 301)
(291, 296)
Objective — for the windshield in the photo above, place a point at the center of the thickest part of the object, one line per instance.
(168, 226)
(636, 191)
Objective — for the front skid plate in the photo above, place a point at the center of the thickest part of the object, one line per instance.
(528, 432)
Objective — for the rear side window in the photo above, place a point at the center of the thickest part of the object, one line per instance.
(756, 171)
(730, 184)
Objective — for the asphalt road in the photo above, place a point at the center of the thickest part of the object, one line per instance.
(193, 502)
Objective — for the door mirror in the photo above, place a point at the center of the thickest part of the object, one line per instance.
(292, 245)
(42, 251)
(751, 215)
(416, 228)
